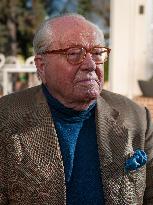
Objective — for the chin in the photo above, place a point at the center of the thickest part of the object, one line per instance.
(89, 96)
(93, 94)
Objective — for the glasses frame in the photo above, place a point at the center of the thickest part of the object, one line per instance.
(64, 52)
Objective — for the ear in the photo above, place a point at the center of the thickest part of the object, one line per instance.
(40, 65)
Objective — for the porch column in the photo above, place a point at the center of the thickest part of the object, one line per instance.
(128, 40)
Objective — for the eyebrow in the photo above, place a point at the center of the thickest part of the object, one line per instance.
(75, 45)
(79, 45)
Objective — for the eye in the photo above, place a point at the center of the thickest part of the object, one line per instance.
(73, 52)
(98, 51)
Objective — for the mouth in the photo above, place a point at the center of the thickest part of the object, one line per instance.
(87, 80)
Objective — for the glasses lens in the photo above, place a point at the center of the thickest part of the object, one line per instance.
(75, 55)
(100, 55)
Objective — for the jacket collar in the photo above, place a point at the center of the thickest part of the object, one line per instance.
(112, 135)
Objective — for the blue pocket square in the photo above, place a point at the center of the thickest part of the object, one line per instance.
(136, 161)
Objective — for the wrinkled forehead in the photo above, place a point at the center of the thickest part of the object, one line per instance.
(71, 32)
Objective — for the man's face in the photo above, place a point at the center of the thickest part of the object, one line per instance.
(72, 84)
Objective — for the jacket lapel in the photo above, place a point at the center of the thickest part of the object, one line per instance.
(41, 152)
(40, 134)
(113, 145)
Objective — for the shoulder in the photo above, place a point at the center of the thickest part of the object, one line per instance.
(124, 111)
(17, 103)
(129, 111)
(119, 102)
(20, 96)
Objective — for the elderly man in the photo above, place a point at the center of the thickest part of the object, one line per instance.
(67, 141)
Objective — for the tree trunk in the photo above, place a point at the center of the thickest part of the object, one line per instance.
(12, 29)
(12, 36)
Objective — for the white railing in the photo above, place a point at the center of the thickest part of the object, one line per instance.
(10, 65)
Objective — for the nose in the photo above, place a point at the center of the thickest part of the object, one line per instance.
(88, 63)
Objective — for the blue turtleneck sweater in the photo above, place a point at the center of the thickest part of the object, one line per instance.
(77, 137)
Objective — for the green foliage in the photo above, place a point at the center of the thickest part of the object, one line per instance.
(18, 24)
(84, 7)
(106, 70)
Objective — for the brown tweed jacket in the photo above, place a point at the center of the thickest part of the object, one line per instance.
(31, 167)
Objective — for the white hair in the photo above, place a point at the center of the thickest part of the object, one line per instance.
(40, 41)
(43, 37)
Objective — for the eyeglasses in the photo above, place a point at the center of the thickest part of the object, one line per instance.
(76, 55)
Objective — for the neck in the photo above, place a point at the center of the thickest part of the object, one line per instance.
(78, 105)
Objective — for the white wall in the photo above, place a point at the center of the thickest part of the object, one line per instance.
(128, 41)
(149, 8)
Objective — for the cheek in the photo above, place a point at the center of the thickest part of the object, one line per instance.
(60, 74)
(100, 73)
(67, 74)
(64, 80)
